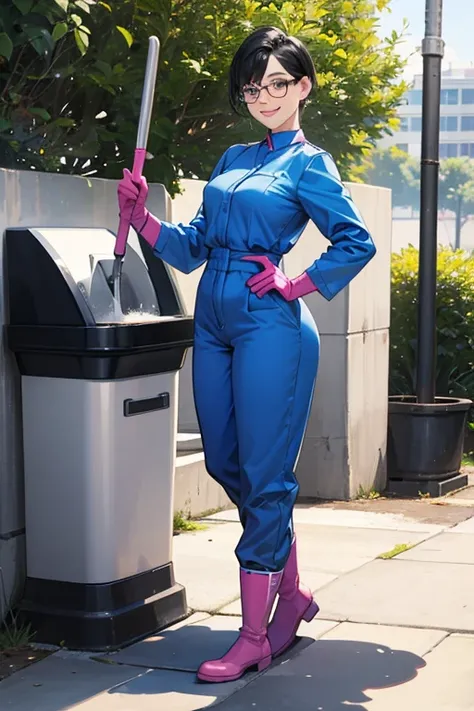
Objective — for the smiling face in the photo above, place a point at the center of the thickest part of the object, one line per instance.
(274, 109)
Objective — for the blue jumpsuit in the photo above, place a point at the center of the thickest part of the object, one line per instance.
(255, 359)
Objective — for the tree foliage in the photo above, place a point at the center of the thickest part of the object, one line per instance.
(71, 74)
(395, 169)
(456, 191)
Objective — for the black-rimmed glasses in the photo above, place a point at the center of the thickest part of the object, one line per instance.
(277, 89)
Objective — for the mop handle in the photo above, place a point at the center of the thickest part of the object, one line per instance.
(142, 136)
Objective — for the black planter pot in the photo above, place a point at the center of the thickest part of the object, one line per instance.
(425, 445)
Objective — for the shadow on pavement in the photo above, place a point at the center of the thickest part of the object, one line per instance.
(327, 675)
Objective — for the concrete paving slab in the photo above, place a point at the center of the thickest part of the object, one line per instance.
(333, 675)
(59, 682)
(444, 548)
(184, 647)
(334, 550)
(234, 609)
(162, 690)
(177, 691)
(418, 641)
(330, 675)
(316, 628)
(144, 651)
(403, 592)
(206, 565)
(318, 516)
(464, 527)
(445, 684)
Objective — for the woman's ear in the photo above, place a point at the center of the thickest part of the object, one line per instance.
(305, 88)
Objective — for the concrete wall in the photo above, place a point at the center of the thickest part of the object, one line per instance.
(345, 443)
(183, 209)
(346, 437)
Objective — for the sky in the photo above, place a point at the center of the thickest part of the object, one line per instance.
(458, 27)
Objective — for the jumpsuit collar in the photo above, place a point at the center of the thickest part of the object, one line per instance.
(278, 140)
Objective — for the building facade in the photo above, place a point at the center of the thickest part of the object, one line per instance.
(457, 116)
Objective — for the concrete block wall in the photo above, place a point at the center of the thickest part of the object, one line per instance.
(345, 443)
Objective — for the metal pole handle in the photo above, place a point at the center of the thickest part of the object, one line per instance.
(146, 111)
(148, 94)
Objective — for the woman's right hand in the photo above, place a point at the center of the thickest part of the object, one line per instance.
(132, 197)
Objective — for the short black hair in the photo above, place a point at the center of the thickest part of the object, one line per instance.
(251, 59)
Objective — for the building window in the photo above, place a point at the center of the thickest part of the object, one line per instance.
(467, 123)
(448, 123)
(468, 96)
(448, 150)
(403, 147)
(415, 97)
(403, 124)
(416, 124)
(467, 150)
(449, 96)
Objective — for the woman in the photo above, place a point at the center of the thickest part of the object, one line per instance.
(256, 347)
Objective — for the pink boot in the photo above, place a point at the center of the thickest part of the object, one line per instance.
(258, 592)
(295, 603)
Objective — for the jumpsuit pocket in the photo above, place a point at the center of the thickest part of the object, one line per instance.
(262, 181)
(273, 301)
(262, 204)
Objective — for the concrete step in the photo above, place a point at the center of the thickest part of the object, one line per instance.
(195, 493)
(188, 442)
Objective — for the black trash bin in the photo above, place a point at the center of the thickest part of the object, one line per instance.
(99, 408)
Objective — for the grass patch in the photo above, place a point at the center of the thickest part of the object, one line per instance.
(468, 460)
(396, 550)
(182, 523)
(368, 494)
(14, 634)
(16, 650)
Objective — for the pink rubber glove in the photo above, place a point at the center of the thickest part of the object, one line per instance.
(132, 198)
(273, 278)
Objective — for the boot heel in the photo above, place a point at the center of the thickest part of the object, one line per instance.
(264, 663)
(311, 612)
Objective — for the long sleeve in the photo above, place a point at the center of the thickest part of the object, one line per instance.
(327, 202)
(182, 246)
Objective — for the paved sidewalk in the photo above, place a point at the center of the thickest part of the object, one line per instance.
(392, 633)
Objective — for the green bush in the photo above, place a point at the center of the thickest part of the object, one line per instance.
(455, 319)
(71, 77)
